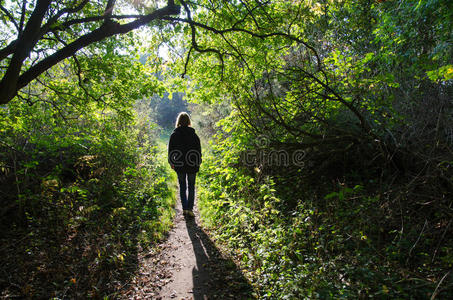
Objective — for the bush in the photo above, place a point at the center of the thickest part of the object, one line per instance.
(340, 237)
(80, 199)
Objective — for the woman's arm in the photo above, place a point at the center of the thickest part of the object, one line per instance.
(171, 148)
(199, 147)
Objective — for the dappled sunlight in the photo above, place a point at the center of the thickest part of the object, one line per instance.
(321, 132)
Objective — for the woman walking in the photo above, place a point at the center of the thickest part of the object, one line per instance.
(184, 156)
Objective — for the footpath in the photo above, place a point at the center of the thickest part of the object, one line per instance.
(188, 266)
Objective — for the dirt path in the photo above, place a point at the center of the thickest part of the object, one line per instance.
(189, 266)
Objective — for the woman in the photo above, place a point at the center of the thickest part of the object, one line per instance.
(184, 156)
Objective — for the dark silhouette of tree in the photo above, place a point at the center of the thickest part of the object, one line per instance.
(47, 32)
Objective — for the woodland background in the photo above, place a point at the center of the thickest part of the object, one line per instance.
(360, 90)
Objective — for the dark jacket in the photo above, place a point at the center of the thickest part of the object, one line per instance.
(184, 150)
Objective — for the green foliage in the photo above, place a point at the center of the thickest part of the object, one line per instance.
(84, 185)
(340, 244)
(362, 88)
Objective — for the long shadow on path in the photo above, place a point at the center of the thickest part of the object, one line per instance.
(214, 276)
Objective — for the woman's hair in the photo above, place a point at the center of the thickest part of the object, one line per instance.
(183, 119)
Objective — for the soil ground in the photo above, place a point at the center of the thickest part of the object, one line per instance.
(188, 265)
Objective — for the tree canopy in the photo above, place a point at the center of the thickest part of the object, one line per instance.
(39, 34)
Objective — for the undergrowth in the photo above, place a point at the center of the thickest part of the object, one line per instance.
(297, 239)
(80, 199)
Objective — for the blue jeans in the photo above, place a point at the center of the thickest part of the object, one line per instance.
(187, 200)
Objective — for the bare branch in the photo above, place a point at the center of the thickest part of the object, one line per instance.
(22, 17)
(5, 52)
(187, 62)
(109, 8)
(8, 84)
(66, 10)
(69, 23)
(10, 17)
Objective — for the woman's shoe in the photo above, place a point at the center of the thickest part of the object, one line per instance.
(190, 213)
(185, 212)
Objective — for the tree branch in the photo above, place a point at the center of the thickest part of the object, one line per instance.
(8, 84)
(22, 17)
(69, 23)
(254, 34)
(109, 8)
(45, 29)
(8, 50)
(11, 17)
(195, 45)
(187, 62)
(106, 30)
(14, 81)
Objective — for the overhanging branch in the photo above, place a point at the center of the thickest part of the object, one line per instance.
(10, 85)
